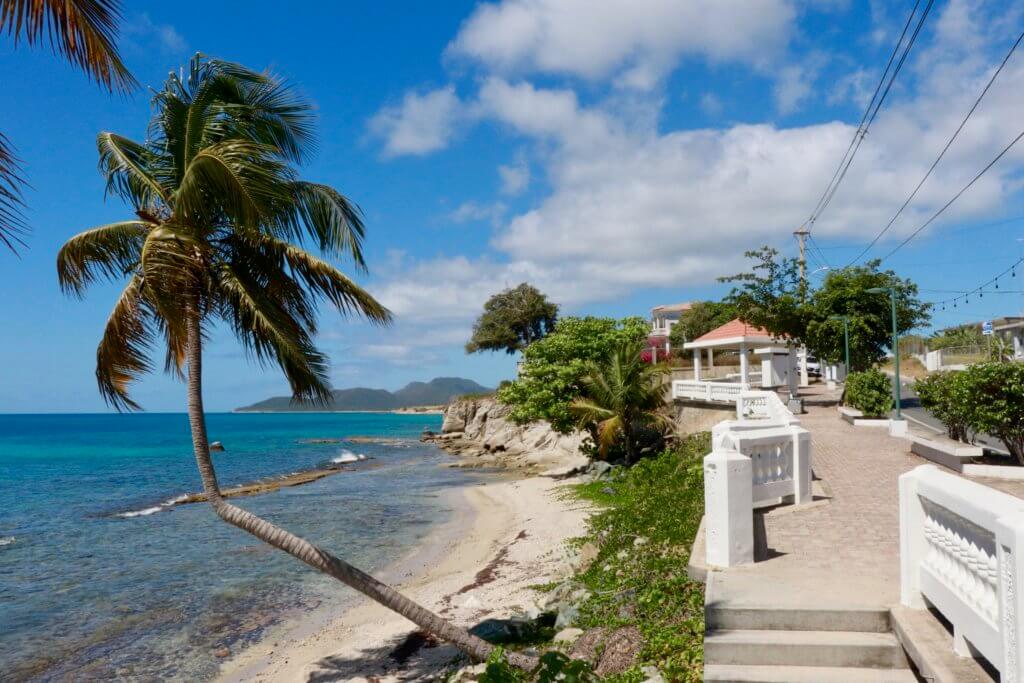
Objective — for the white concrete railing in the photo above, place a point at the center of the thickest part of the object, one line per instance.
(712, 392)
(960, 551)
(763, 458)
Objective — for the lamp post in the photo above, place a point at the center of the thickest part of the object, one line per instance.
(846, 337)
(895, 344)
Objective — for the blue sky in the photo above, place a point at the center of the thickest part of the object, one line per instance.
(619, 155)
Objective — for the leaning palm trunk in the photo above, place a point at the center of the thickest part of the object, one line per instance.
(302, 549)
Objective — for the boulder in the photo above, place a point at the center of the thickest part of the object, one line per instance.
(567, 616)
(503, 631)
(216, 446)
(568, 635)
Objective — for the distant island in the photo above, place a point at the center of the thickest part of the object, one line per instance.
(436, 392)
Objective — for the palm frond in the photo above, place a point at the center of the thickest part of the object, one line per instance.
(12, 222)
(111, 251)
(325, 280)
(329, 218)
(127, 166)
(270, 333)
(122, 353)
(82, 31)
(237, 178)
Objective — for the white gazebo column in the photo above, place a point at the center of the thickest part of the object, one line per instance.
(696, 364)
(744, 370)
(711, 358)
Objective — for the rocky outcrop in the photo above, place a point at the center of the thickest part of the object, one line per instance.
(479, 431)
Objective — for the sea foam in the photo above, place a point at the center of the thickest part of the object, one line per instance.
(348, 456)
(6, 540)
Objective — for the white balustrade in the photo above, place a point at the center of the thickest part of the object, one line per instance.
(711, 392)
(762, 458)
(960, 547)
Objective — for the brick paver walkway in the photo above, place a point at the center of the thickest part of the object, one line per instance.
(842, 550)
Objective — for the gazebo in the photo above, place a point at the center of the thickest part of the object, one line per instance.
(736, 335)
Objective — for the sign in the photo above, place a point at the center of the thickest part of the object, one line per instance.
(986, 328)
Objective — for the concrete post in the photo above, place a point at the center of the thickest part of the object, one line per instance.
(696, 364)
(804, 379)
(802, 466)
(912, 543)
(791, 372)
(711, 358)
(1009, 546)
(729, 508)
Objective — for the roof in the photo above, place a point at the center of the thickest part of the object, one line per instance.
(733, 333)
(673, 308)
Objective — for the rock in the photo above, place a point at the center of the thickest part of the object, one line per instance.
(621, 648)
(502, 631)
(608, 491)
(567, 616)
(467, 674)
(651, 674)
(588, 553)
(622, 554)
(587, 645)
(599, 469)
(216, 446)
(221, 653)
(568, 635)
(639, 541)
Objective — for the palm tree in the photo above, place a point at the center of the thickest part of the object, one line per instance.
(221, 220)
(81, 31)
(619, 397)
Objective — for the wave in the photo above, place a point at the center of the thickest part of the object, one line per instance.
(145, 512)
(6, 540)
(347, 456)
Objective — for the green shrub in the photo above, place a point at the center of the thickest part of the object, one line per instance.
(870, 392)
(993, 397)
(945, 395)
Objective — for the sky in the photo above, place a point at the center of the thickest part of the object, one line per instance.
(618, 155)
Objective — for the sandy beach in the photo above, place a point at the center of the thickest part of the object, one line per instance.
(505, 536)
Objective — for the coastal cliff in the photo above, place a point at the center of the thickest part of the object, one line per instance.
(479, 431)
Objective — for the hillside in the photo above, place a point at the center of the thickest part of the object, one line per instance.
(437, 391)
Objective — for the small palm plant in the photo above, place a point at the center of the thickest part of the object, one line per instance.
(620, 397)
(220, 223)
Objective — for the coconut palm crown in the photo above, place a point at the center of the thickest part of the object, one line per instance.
(220, 222)
(619, 396)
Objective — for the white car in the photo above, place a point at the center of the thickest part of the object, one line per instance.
(813, 366)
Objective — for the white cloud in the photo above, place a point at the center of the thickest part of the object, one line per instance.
(792, 87)
(476, 211)
(515, 178)
(422, 123)
(142, 31)
(711, 104)
(636, 42)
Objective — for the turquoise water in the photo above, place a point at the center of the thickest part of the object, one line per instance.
(98, 580)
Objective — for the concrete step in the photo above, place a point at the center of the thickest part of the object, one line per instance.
(732, 673)
(867, 620)
(804, 648)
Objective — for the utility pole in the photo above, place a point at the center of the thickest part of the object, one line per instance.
(801, 238)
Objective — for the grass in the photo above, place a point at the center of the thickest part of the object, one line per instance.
(641, 583)
(909, 367)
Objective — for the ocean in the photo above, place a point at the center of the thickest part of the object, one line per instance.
(102, 578)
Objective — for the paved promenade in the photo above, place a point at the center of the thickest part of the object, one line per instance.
(842, 551)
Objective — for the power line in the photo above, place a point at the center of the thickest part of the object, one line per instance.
(949, 143)
(871, 113)
(956, 196)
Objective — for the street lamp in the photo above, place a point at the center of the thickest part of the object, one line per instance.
(895, 343)
(846, 336)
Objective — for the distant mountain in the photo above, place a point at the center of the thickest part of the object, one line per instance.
(437, 391)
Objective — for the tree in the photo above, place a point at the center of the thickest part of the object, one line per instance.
(844, 293)
(952, 337)
(512, 320)
(702, 317)
(552, 369)
(221, 222)
(81, 31)
(619, 396)
(771, 295)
